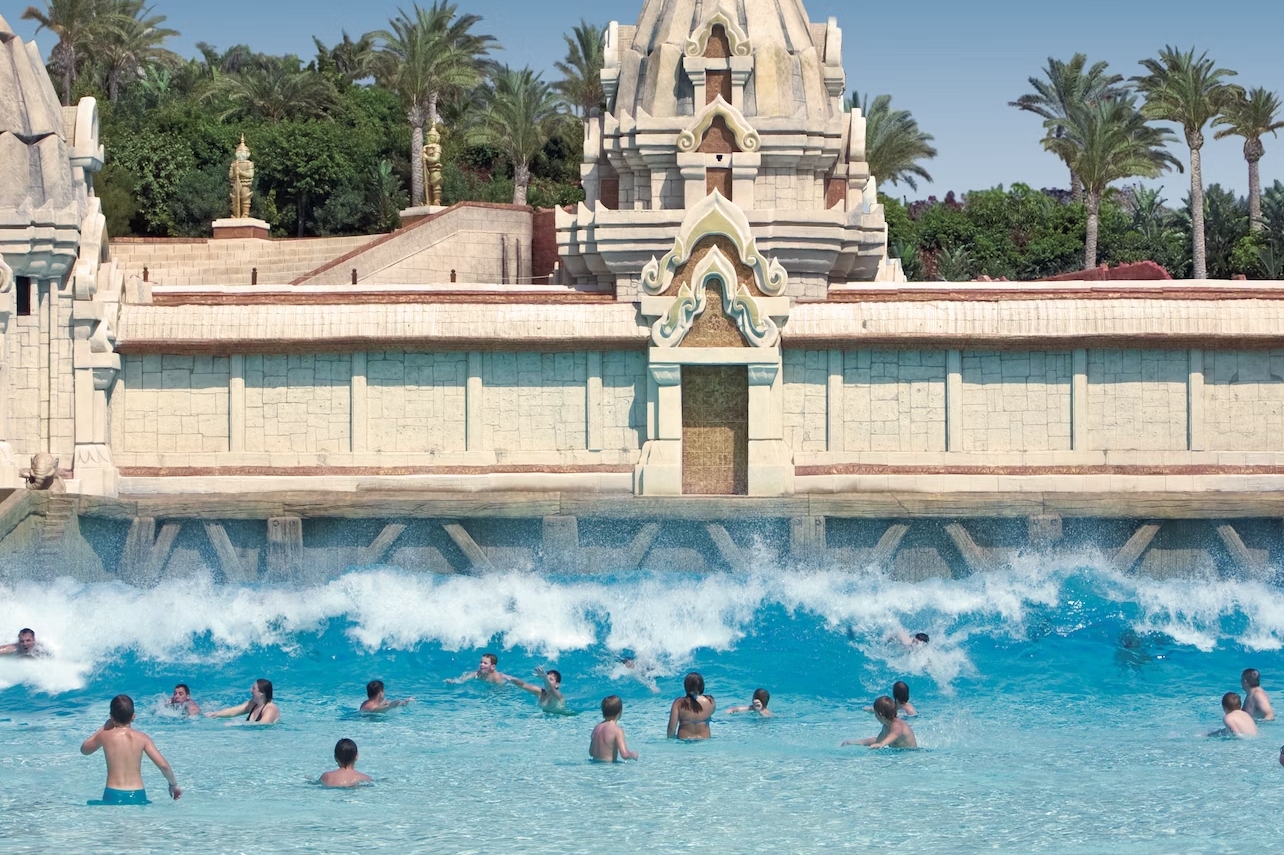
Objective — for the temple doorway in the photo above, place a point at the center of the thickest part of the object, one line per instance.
(715, 430)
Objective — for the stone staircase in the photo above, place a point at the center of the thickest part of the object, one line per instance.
(59, 520)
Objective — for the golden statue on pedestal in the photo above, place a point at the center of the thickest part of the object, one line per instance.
(241, 174)
(432, 166)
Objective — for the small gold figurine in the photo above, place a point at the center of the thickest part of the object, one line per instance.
(241, 174)
(432, 166)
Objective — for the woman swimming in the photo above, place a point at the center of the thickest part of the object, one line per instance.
(689, 716)
(259, 709)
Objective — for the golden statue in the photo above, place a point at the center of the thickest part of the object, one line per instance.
(432, 166)
(241, 174)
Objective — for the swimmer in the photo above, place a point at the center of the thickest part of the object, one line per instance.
(259, 709)
(1256, 703)
(550, 694)
(1282, 755)
(1238, 722)
(345, 754)
(895, 733)
(124, 748)
(900, 694)
(757, 705)
(375, 700)
(689, 716)
(26, 646)
(182, 701)
(486, 672)
(608, 744)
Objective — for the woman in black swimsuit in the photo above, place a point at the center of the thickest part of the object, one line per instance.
(689, 716)
(259, 709)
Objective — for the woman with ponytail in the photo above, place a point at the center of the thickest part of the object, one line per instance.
(689, 716)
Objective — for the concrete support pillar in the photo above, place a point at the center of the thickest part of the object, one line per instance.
(360, 421)
(1195, 402)
(659, 469)
(953, 400)
(561, 545)
(1079, 400)
(744, 172)
(473, 403)
(285, 548)
(836, 439)
(236, 403)
(807, 538)
(771, 460)
(593, 428)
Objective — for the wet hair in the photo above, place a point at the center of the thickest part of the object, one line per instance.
(693, 685)
(922, 636)
(184, 687)
(345, 752)
(612, 706)
(885, 707)
(122, 709)
(265, 686)
(762, 695)
(373, 688)
(494, 660)
(555, 674)
(1252, 677)
(30, 632)
(900, 691)
(1230, 701)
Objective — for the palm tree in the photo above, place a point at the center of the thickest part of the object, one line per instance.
(135, 44)
(275, 93)
(1106, 142)
(427, 55)
(78, 24)
(349, 60)
(1068, 86)
(581, 82)
(893, 143)
(1189, 92)
(522, 112)
(1251, 115)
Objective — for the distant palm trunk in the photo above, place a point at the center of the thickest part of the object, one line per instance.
(1198, 241)
(1093, 203)
(521, 182)
(416, 155)
(1253, 153)
(1076, 188)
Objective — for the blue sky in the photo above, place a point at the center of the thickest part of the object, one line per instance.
(956, 65)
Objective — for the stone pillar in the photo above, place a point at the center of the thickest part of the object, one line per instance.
(1079, 400)
(659, 470)
(693, 178)
(1195, 402)
(360, 424)
(95, 367)
(473, 403)
(236, 403)
(593, 428)
(953, 400)
(744, 172)
(771, 461)
(8, 307)
(741, 68)
(284, 548)
(836, 433)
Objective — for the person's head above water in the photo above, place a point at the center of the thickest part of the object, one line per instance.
(122, 709)
(182, 694)
(489, 662)
(693, 685)
(1251, 678)
(900, 692)
(345, 753)
(885, 707)
(374, 689)
(1230, 701)
(612, 706)
(554, 676)
(263, 688)
(761, 697)
(26, 640)
(921, 638)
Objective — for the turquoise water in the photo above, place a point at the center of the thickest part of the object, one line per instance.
(1041, 731)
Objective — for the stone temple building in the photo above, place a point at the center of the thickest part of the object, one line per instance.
(719, 317)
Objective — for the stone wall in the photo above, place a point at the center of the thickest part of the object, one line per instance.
(806, 377)
(1137, 399)
(899, 398)
(300, 402)
(535, 401)
(1244, 400)
(1016, 401)
(22, 384)
(788, 189)
(417, 401)
(174, 404)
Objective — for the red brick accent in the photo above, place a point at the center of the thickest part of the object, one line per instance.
(719, 46)
(963, 294)
(719, 139)
(543, 243)
(1137, 271)
(877, 469)
(365, 471)
(609, 195)
(717, 83)
(718, 179)
(835, 191)
(240, 233)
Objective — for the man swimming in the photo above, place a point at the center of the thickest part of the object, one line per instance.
(895, 733)
(182, 700)
(550, 694)
(26, 645)
(1238, 722)
(124, 748)
(486, 672)
(375, 700)
(1256, 702)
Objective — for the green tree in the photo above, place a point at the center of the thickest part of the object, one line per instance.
(522, 113)
(348, 61)
(134, 45)
(1106, 142)
(79, 25)
(1068, 85)
(427, 55)
(581, 83)
(1190, 92)
(1251, 115)
(274, 94)
(894, 145)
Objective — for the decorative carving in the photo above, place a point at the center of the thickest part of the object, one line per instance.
(714, 215)
(699, 41)
(241, 174)
(746, 137)
(43, 474)
(432, 166)
(737, 304)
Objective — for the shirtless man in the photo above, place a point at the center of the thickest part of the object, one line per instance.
(486, 672)
(182, 701)
(761, 697)
(345, 754)
(1256, 703)
(608, 744)
(124, 748)
(375, 700)
(1238, 722)
(895, 733)
(26, 645)
(550, 694)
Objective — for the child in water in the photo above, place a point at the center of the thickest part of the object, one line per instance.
(759, 704)
(895, 733)
(345, 754)
(550, 694)
(1238, 722)
(375, 701)
(1256, 702)
(124, 748)
(607, 744)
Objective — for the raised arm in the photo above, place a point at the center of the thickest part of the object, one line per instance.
(522, 684)
(149, 748)
(462, 678)
(231, 712)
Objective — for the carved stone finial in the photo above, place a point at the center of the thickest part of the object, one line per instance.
(241, 174)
